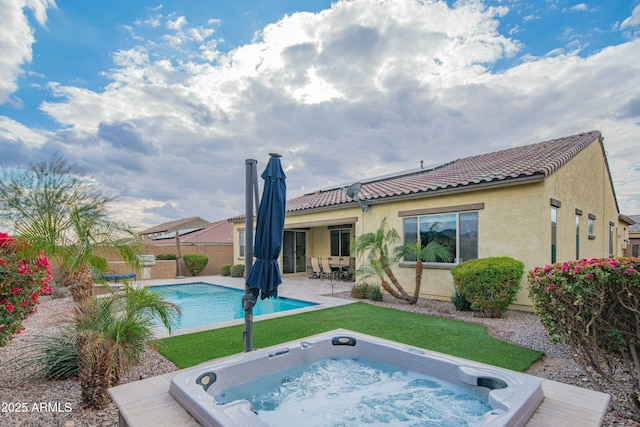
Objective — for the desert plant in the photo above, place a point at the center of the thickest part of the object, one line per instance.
(112, 334)
(459, 301)
(490, 284)
(594, 306)
(55, 356)
(431, 252)
(195, 262)
(360, 290)
(225, 270)
(237, 270)
(375, 293)
(166, 257)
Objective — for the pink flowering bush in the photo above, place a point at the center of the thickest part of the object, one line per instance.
(594, 307)
(23, 279)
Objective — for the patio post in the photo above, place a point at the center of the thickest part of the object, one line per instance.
(249, 300)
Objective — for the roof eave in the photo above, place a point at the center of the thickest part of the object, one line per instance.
(522, 180)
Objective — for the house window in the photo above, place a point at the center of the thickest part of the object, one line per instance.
(457, 231)
(577, 236)
(592, 226)
(611, 234)
(554, 235)
(340, 242)
(242, 243)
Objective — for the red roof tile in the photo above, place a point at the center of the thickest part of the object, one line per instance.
(541, 159)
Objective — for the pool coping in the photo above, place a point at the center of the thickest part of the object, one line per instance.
(148, 402)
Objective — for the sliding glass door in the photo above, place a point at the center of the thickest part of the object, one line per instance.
(294, 252)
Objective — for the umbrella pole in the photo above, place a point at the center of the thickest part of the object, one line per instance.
(249, 300)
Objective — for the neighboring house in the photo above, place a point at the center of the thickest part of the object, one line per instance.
(214, 240)
(541, 203)
(633, 247)
(192, 223)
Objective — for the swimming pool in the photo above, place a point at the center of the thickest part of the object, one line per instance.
(204, 303)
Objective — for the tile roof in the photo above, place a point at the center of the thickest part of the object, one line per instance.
(215, 232)
(541, 159)
(174, 225)
(634, 228)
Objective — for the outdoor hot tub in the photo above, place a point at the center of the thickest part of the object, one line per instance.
(348, 378)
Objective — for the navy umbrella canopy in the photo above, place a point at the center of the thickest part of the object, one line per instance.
(264, 276)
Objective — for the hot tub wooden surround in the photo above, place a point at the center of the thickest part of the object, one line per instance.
(148, 403)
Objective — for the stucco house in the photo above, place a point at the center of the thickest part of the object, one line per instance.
(540, 203)
(633, 247)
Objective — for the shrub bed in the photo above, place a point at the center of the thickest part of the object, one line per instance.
(360, 290)
(23, 278)
(237, 270)
(594, 307)
(195, 263)
(225, 270)
(489, 284)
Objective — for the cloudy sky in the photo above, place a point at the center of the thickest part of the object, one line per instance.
(163, 102)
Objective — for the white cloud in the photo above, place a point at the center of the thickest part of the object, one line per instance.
(580, 7)
(362, 89)
(633, 20)
(16, 39)
(10, 130)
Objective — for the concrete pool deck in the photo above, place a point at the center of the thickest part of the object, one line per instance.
(147, 402)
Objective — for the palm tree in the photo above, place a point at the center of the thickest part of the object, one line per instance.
(112, 334)
(91, 232)
(59, 209)
(376, 246)
(432, 252)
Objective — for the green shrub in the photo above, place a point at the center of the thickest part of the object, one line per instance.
(360, 290)
(375, 293)
(237, 270)
(225, 270)
(166, 257)
(459, 301)
(195, 263)
(490, 284)
(594, 307)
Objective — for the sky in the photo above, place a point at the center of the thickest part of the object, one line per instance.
(162, 102)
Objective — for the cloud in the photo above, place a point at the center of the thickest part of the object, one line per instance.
(632, 21)
(361, 89)
(580, 7)
(125, 135)
(16, 39)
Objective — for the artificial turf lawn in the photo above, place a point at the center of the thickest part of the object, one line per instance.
(462, 339)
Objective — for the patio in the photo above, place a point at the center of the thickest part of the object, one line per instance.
(148, 402)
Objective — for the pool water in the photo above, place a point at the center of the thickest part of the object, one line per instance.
(204, 303)
(345, 391)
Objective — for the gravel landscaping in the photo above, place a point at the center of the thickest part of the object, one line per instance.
(35, 402)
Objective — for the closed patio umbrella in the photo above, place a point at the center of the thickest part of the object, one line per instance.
(264, 276)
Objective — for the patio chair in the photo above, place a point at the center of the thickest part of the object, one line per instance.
(327, 271)
(314, 265)
(348, 270)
